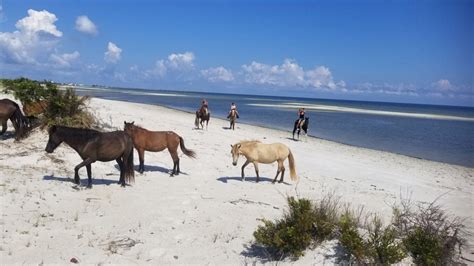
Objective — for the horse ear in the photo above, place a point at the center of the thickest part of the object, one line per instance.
(238, 146)
(232, 146)
(124, 122)
(133, 122)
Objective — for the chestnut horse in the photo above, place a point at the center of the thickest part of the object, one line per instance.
(93, 146)
(256, 152)
(202, 115)
(10, 110)
(145, 140)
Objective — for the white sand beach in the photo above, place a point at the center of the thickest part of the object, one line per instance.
(206, 215)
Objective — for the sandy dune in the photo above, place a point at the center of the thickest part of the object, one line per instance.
(207, 214)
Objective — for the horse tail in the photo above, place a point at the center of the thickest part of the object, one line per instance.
(196, 121)
(189, 153)
(291, 160)
(20, 122)
(129, 172)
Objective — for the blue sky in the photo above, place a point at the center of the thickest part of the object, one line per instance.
(403, 51)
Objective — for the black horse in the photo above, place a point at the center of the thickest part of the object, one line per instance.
(93, 146)
(10, 110)
(202, 115)
(303, 127)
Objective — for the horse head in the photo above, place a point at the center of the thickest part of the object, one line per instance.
(128, 127)
(54, 139)
(235, 151)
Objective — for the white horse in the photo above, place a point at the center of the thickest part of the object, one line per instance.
(256, 152)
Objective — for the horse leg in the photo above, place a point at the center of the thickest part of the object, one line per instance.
(294, 130)
(122, 176)
(255, 165)
(174, 155)
(87, 161)
(278, 172)
(282, 169)
(4, 127)
(89, 175)
(141, 157)
(243, 166)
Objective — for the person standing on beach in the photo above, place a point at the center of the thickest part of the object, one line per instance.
(301, 114)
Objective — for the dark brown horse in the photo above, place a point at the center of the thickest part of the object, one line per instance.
(202, 115)
(145, 140)
(93, 146)
(10, 110)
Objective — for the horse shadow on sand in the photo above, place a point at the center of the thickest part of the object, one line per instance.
(152, 168)
(95, 181)
(264, 255)
(225, 179)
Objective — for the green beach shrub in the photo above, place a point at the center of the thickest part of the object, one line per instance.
(383, 246)
(67, 109)
(429, 234)
(63, 107)
(26, 90)
(291, 235)
(350, 238)
(326, 217)
(304, 225)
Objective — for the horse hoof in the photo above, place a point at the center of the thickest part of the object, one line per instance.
(122, 185)
(89, 186)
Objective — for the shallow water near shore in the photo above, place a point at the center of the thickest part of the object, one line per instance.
(438, 133)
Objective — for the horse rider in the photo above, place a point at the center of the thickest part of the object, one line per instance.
(204, 104)
(233, 107)
(301, 114)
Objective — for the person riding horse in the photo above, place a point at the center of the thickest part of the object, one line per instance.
(233, 107)
(204, 106)
(301, 114)
(202, 114)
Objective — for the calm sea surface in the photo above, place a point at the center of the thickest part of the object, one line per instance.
(438, 133)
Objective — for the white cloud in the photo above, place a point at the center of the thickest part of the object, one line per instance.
(85, 25)
(36, 36)
(113, 53)
(217, 74)
(289, 74)
(174, 64)
(443, 84)
(180, 61)
(38, 21)
(64, 60)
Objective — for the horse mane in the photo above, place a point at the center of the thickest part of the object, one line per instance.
(76, 134)
(249, 142)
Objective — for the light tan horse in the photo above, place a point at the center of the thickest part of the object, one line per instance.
(145, 140)
(256, 152)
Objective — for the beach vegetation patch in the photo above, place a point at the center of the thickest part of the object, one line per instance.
(431, 236)
(50, 105)
(305, 224)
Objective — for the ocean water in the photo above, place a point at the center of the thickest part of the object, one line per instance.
(438, 133)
